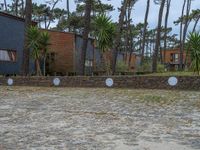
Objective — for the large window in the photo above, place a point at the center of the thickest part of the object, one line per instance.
(7, 55)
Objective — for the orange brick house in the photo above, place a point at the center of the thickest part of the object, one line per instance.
(172, 58)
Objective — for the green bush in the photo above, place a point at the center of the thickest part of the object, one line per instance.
(145, 67)
(160, 68)
(121, 66)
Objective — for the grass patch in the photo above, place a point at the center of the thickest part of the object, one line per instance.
(177, 73)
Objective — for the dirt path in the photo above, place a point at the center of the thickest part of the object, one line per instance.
(119, 119)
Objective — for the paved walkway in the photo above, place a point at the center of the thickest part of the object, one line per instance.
(98, 119)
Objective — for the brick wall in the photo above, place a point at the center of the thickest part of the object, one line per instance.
(144, 82)
(63, 45)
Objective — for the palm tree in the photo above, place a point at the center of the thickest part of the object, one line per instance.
(104, 33)
(33, 35)
(28, 17)
(86, 31)
(193, 43)
(38, 42)
(145, 28)
(44, 43)
(157, 46)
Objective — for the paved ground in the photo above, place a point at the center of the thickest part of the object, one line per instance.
(90, 119)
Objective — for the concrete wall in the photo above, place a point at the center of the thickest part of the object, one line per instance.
(135, 82)
(12, 38)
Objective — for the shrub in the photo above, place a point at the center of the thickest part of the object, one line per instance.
(160, 68)
(121, 66)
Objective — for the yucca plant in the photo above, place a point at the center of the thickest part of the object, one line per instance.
(44, 43)
(38, 43)
(104, 33)
(194, 51)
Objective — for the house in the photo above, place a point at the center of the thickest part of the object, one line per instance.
(64, 54)
(172, 58)
(11, 44)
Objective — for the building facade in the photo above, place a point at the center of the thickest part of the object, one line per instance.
(64, 54)
(172, 59)
(12, 33)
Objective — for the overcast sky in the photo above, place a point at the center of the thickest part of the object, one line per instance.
(139, 11)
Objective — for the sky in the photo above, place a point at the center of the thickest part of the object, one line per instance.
(139, 11)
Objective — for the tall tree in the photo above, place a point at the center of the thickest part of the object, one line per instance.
(87, 19)
(166, 25)
(16, 7)
(118, 34)
(26, 51)
(196, 17)
(181, 29)
(5, 5)
(186, 24)
(145, 28)
(68, 13)
(157, 46)
(104, 33)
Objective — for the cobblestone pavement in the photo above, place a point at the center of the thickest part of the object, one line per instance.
(98, 119)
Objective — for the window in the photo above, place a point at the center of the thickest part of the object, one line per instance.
(88, 63)
(174, 57)
(8, 55)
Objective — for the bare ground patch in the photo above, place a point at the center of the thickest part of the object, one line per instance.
(77, 118)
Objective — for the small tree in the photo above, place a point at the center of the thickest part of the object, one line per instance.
(104, 32)
(194, 50)
(38, 42)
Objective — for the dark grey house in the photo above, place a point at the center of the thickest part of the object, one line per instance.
(11, 44)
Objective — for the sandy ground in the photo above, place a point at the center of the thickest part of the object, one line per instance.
(102, 119)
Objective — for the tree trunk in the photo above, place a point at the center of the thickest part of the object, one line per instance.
(5, 5)
(107, 63)
(118, 35)
(68, 14)
(145, 29)
(16, 7)
(26, 52)
(128, 31)
(187, 22)
(87, 19)
(157, 46)
(52, 10)
(166, 25)
(44, 66)
(38, 70)
(181, 31)
(195, 25)
(22, 8)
